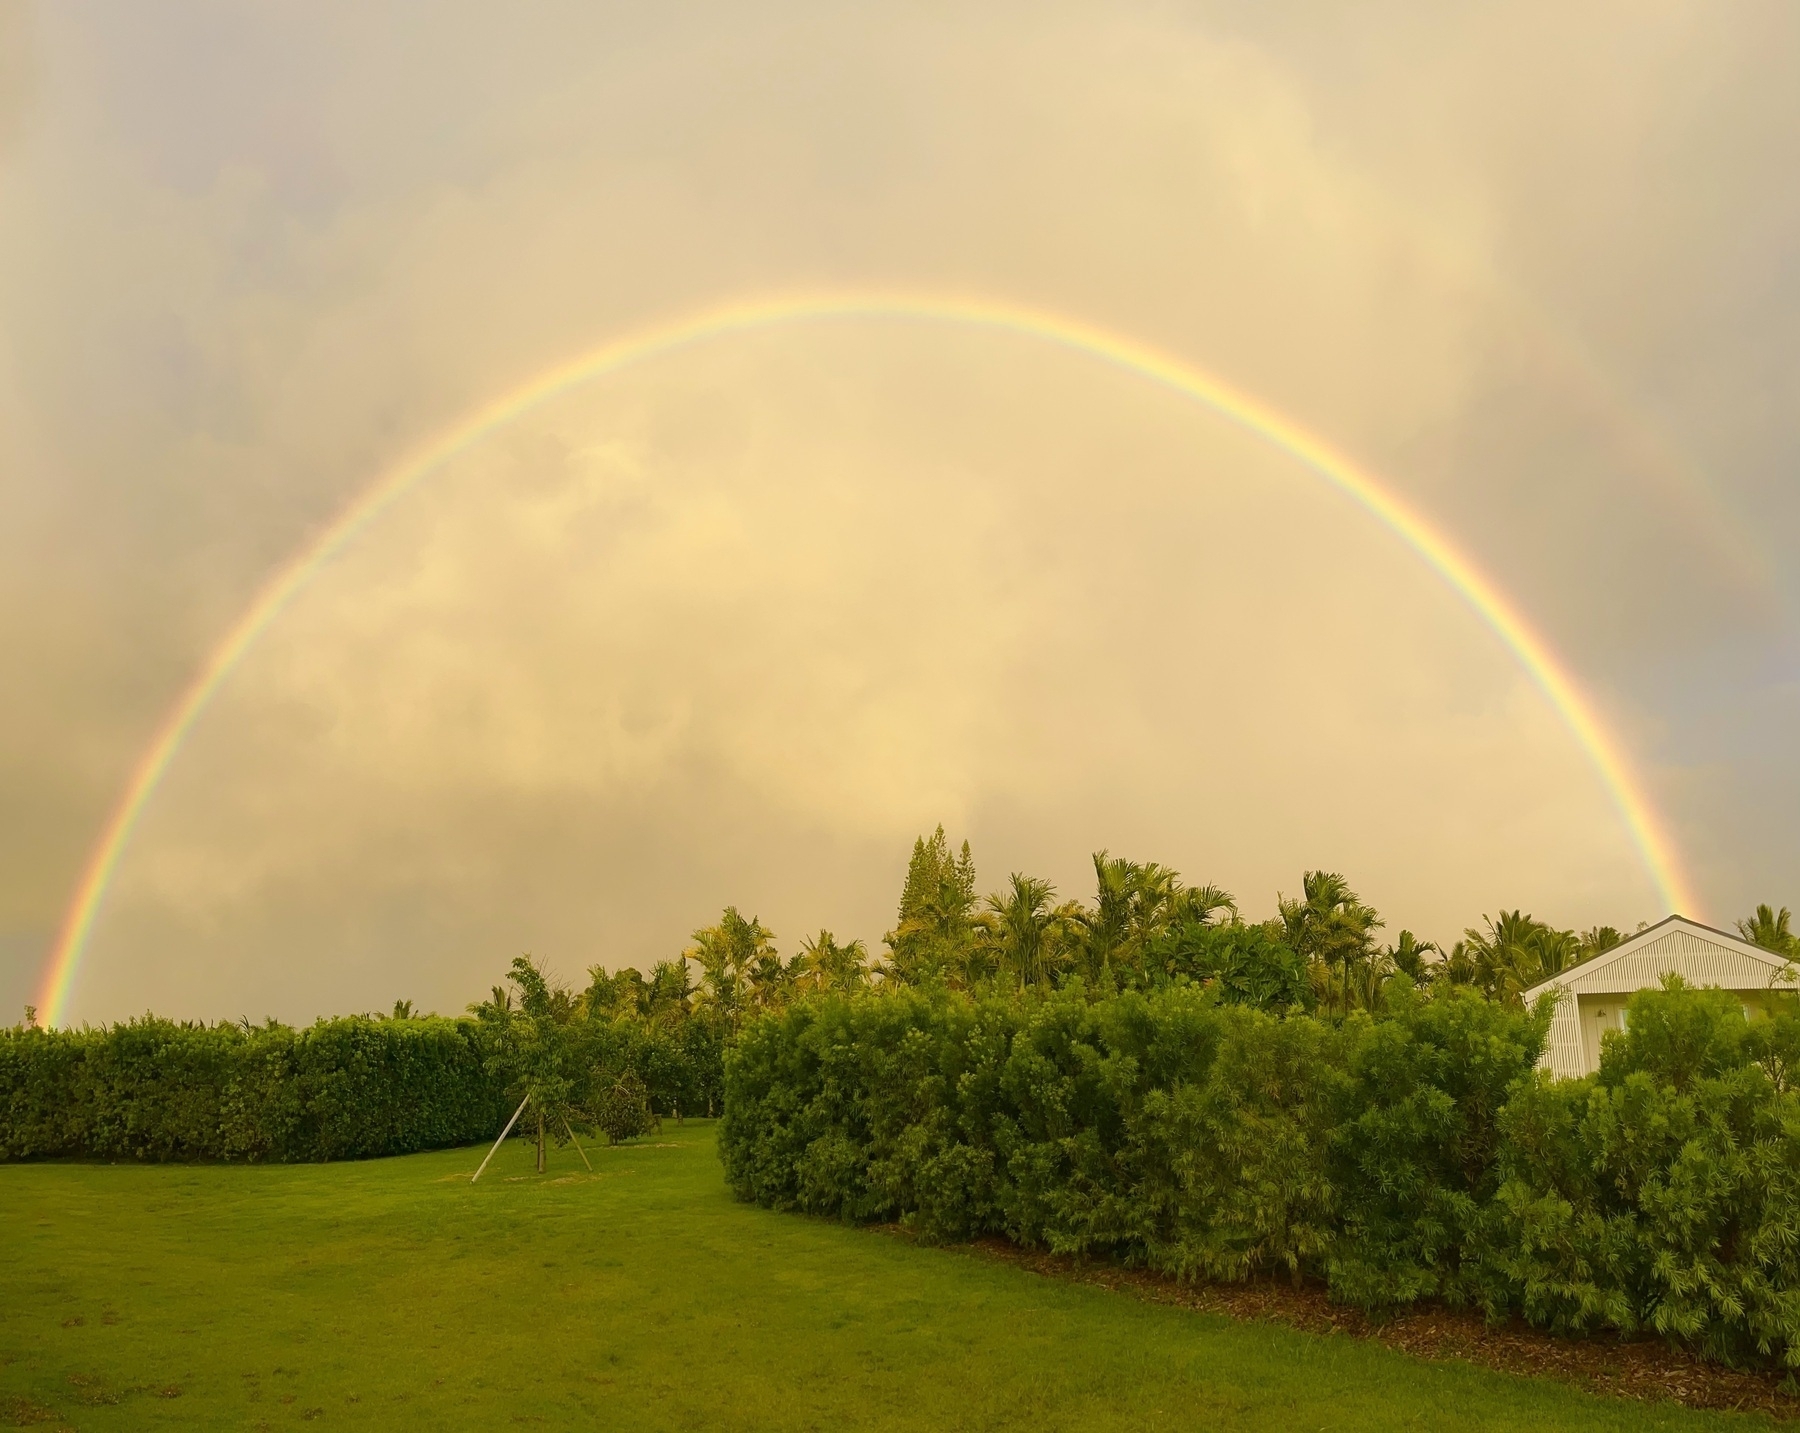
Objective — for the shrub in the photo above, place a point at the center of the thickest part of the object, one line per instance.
(1663, 1192)
(1416, 1154)
(620, 1106)
(1416, 1141)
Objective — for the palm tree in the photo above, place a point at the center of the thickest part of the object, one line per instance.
(826, 965)
(1134, 903)
(1020, 928)
(1597, 940)
(1555, 951)
(1106, 928)
(1200, 904)
(671, 987)
(734, 958)
(1770, 929)
(1517, 951)
(1458, 966)
(1331, 927)
(1412, 957)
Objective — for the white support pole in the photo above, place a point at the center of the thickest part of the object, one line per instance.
(503, 1134)
(577, 1143)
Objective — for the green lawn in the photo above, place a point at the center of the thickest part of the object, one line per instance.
(391, 1294)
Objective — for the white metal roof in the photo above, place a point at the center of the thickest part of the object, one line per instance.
(1697, 953)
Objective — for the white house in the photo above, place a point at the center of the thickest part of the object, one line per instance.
(1597, 989)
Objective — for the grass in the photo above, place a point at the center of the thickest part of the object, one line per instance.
(391, 1294)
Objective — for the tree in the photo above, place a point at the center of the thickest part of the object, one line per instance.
(1331, 928)
(1458, 967)
(621, 1105)
(1597, 940)
(934, 935)
(1515, 952)
(735, 958)
(1135, 905)
(1201, 904)
(1019, 928)
(534, 1049)
(1244, 964)
(1413, 957)
(826, 965)
(622, 992)
(1771, 930)
(671, 987)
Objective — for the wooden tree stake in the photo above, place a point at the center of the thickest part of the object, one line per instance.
(503, 1134)
(577, 1143)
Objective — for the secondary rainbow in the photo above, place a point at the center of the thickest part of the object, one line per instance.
(1611, 763)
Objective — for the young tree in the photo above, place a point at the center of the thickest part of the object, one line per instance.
(533, 1048)
(621, 1105)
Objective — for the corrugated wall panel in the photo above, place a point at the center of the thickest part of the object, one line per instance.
(1697, 961)
(1563, 1055)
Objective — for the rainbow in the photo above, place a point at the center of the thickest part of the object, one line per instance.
(1610, 761)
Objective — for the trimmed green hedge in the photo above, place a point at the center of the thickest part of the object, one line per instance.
(1416, 1155)
(154, 1089)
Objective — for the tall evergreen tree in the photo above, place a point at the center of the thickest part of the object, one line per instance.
(934, 936)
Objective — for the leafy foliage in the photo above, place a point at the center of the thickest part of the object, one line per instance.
(1409, 1154)
(1664, 1192)
(620, 1106)
(1772, 930)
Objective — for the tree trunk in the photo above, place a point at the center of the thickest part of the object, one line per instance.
(540, 1120)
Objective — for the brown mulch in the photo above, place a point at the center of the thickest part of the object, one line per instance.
(1642, 1368)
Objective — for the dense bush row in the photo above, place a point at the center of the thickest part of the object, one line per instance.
(157, 1089)
(1414, 1155)
(350, 1088)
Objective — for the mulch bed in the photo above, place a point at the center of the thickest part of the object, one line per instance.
(1643, 1368)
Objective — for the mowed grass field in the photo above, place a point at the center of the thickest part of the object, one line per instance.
(391, 1294)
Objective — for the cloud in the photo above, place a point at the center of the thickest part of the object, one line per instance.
(736, 627)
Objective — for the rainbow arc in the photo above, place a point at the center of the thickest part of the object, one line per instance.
(1611, 763)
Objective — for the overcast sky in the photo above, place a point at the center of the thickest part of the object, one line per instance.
(735, 624)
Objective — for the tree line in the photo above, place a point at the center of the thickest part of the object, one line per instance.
(1143, 929)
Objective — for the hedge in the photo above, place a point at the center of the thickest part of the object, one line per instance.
(156, 1089)
(1411, 1156)
(350, 1088)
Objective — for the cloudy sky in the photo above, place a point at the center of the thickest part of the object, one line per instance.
(735, 623)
